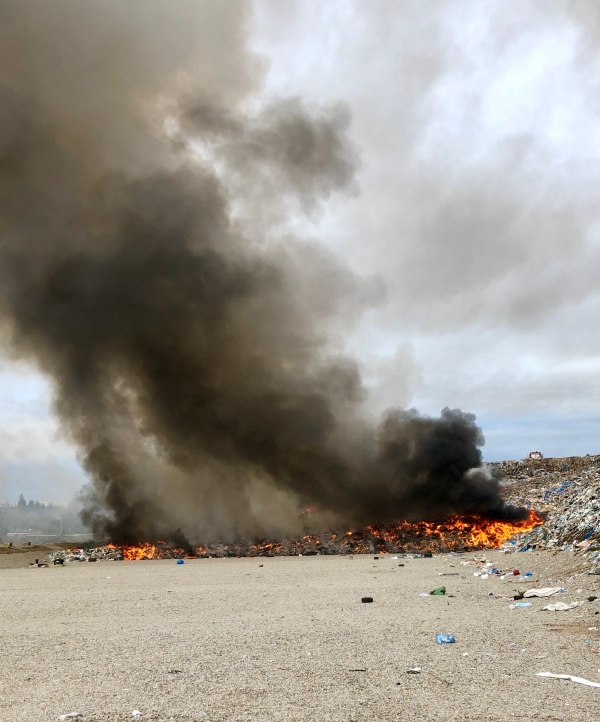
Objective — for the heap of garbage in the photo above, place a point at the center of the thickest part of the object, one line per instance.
(567, 491)
(102, 553)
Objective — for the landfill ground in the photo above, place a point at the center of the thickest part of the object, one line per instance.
(229, 639)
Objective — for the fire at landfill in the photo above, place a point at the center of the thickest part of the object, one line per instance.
(459, 533)
(196, 346)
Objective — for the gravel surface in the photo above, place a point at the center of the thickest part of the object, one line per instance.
(228, 639)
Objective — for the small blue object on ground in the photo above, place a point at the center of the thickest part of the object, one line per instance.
(523, 604)
(445, 638)
(180, 561)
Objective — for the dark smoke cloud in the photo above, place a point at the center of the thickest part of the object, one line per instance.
(193, 352)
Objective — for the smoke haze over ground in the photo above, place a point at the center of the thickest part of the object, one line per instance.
(195, 343)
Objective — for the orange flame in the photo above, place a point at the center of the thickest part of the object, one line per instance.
(465, 533)
(472, 532)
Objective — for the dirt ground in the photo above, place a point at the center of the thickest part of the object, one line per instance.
(290, 640)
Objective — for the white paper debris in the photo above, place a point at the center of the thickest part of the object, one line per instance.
(560, 606)
(580, 680)
(543, 592)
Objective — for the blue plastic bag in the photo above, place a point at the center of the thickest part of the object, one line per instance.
(180, 561)
(445, 638)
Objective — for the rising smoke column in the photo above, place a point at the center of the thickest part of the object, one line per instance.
(192, 350)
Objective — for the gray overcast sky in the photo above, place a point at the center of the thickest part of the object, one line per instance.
(475, 214)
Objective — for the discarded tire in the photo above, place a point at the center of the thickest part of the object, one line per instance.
(366, 600)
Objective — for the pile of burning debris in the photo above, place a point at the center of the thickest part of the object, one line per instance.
(567, 491)
(457, 534)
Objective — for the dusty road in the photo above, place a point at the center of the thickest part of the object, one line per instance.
(231, 640)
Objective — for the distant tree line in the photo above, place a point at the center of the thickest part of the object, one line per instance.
(34, 516)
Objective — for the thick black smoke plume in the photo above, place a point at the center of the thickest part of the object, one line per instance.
(192, 347)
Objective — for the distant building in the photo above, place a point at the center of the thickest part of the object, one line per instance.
(536, 455)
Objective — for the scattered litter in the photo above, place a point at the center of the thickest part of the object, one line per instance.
(357, 670)
(543, 592)
(414, 670)
(439, 592)
(449, 574)
(580, 680)
(366, 600)
(180, 561)
(445, 638)
(261, 565)
(560, 606)
(519, 605)
(136, 713)
(592, 599)
(71, 715)
(422, 594)
(174, 671)
(516, 572)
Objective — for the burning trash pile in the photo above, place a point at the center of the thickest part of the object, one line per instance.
(456, 534)
(567, 491)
